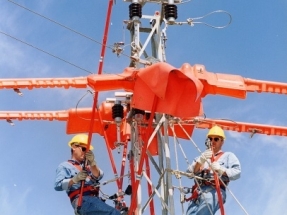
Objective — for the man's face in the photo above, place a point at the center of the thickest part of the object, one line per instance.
(216, 142)
(79, 151)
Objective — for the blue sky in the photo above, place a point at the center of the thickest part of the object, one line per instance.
(253, 46)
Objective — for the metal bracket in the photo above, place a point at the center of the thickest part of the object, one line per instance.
(254, 131)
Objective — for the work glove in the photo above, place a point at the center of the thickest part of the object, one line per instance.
(207, 154)
(90, 158)
(82, 175)
(218, 168)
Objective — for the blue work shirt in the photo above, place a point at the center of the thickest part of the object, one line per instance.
(227, 160)
(90, 204)
(67, 170)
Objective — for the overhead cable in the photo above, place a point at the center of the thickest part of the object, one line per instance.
(1, 32)
(70, 29)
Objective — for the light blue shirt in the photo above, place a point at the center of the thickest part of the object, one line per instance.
(227, 160)
(66, 171)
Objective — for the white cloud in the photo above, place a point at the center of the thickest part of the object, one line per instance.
(12, 201)
(273, 141)
(236, 135)
(272, 195)
(16, 58)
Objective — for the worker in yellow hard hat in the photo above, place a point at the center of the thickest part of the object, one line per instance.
(204, 199)
(81, 139)
(71, 173)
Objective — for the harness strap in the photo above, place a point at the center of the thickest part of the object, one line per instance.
(216, 157)
(78, 166)
(212, 183)
(194, 194)
(195, 191)
(88, 190)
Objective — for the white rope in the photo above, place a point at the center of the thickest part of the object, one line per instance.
(156, 130)
(156, 191)
(176, 160)
(198, 185)
(240, 205)
(189, 175)
(189, 164)
(175, 140)
(182, 151)
(114, 179)
(153, 193)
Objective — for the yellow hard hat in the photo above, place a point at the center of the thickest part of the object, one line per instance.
(80, 138)
(216, 130)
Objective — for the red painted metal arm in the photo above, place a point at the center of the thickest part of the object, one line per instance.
(35, 115)
(78, 82)
(232, 85)
(259, 86)
(243, 127)
(214, 83)
(75, 117)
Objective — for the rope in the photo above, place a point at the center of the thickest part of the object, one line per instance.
(182, 151)
(155, 190)
(153, 193)
(240, 205)
(198, 185)
(176, 158)
(195, 177)
(189, 175)
(114, 179)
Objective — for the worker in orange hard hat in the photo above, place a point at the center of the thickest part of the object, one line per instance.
(204, 199)
(70, 174)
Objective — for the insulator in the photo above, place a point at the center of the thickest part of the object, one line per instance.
(118, 111)
(135, 10)
(152, 22)
(113, 196)
(138, 111)
(147, 116)
(170, 11)
(128, 190)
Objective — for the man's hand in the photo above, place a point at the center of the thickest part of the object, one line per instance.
(207, 154)
(218, 168)
(82, 175)
(90, 158)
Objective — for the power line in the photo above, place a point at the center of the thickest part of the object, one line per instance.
(1, 32)
(61, 25)
(70, 29)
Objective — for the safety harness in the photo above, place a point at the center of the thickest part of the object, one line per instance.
(206, 180)
(88, 190)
